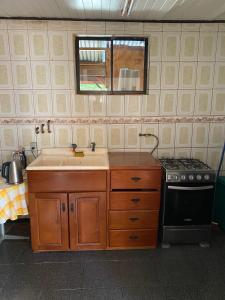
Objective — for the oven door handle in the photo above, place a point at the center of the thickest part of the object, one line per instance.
(190, 188)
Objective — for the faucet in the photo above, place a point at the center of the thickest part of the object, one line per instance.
(93, 144)
(74, 147)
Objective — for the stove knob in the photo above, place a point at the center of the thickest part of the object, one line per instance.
(199, 177)
(182, 177)
(206, 177)
(191, 177)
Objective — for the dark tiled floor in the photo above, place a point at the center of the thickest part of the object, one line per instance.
(181, 272)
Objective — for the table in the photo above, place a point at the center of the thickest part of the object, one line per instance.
(13, 203)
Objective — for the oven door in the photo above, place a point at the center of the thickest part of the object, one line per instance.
(188, 204)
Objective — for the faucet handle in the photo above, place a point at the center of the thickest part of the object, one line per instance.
(93, 144)
(74, 147)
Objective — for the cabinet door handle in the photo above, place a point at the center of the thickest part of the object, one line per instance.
(133, 237)
(63, 207)
(72, 207)
(135, 200)
(135, 179)
(133, 219)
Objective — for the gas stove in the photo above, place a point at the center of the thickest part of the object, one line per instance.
(187, 170)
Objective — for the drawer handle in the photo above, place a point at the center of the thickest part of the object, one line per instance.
(135, 200)
(133, 237)
(63, 207)
(133, 219)
(135, 179)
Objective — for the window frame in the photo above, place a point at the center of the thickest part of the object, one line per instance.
(111, 91)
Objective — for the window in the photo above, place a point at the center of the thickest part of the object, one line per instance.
(111, 65)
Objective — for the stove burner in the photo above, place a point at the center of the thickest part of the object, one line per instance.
(184, 164)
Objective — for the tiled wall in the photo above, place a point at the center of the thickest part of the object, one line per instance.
(185, 105)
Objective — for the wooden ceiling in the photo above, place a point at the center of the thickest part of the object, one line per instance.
(210, 10)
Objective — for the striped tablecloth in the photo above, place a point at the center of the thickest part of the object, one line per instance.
(13, 201)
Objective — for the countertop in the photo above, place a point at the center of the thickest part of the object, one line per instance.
(133, 160)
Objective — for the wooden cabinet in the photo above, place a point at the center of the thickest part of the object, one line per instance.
(87, 220)
(61, 218)
(134, 201)
(49, 221)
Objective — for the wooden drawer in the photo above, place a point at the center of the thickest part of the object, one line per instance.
(133, 238)
(133, 219)
(135, 179)
(68, 181)
(134, 200)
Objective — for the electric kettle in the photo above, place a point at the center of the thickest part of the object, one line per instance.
(12, 170)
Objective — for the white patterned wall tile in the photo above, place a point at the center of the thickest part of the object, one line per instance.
(45, 140)
(63, 135)
(9, 137)
(7, 103)
(81, 135)
(216, 135)
(19, 47)
(190, 27)
(187, 75)
(203, 100)
(4, 45)
(72, 75)
(21, 75)
(182, 152)
(166, 153)
(213, 157)
(58, 45)
(71, 44)
(60, 75)
(5, 75)
(168, 102)
(200, 135)
(80, 107)
(199, 153)
(189, 46)
(132, 139)
(115, 105)
(150, 106)
(207, 46)
(220, 54)
(219, 78)
(185, 102)
(169, 77)
(26, 135)
(115, 136)
(151, 27)
(16, 24)
(41, 74)
(205, 75)
(97, 105)
(76, 26)
(114, 27)
(57, 25)
(221, 26)
(133, 105)
(183, 135)
(155, 46)
(24, 103)
(98, 134)
(171, 46)
(61, 103)
(38, 42)
(154, 75)
(149, 142)
(171, 26)
(133, 28)
(95, 27)
(37, 24)
(3, 24)
(166, 135)
(6, 155)
(218, 102)
(209, 27)
(42, 102)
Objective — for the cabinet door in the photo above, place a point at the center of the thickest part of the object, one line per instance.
(87, 220)
(49, 221)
